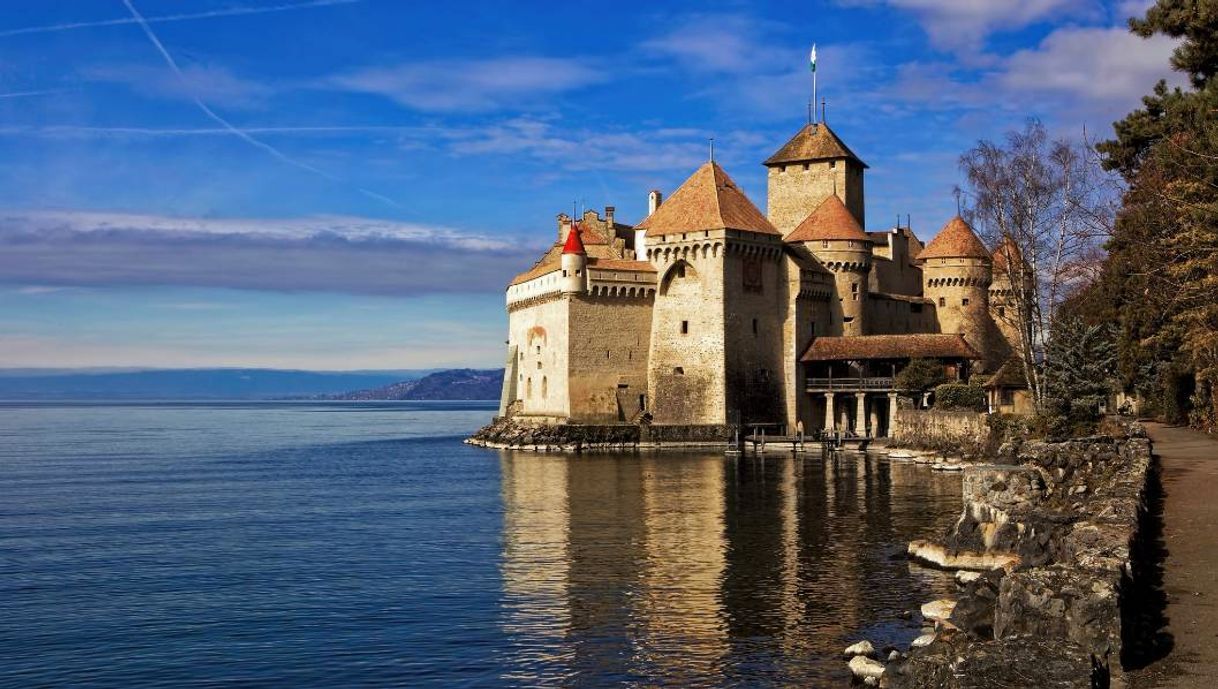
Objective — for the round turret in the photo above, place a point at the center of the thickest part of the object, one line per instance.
(574, 263)
(833, 235)
(956, 276)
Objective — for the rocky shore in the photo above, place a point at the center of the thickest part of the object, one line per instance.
(510, 434)
(1049, 531)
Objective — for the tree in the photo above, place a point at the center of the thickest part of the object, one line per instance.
(1078, 375)
(919, 376)
(1161, 276)
(1049, 206)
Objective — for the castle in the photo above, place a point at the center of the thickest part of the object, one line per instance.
(710, 313)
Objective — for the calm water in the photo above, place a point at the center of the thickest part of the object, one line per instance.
(320, 545)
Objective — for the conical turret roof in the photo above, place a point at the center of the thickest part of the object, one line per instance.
(955, 240)
(813, 142)
(830, 220)
(1007, 250)
(708, 200)
(575, 243)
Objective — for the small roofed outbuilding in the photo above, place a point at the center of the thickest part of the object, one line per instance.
(1007, 389)
(816, 141)
(890, 348)
(955, 240)
(830, 221)
(708, 200)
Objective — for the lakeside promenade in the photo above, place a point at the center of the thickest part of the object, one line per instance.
(1189, 465)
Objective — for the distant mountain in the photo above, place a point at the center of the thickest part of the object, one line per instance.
(220, 383)
(456, 384)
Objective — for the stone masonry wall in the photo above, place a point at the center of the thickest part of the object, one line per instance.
(932, 429)
(609, 342)
(1061, 526)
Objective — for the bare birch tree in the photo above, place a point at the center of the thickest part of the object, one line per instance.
(1047, 206)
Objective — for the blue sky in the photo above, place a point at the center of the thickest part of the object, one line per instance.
(344, 184)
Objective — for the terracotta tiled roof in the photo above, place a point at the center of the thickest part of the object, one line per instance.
(813, 142)
(830, 220)
(542, 268)
(1009, 375)
(618, 264)
(955, 240)
(1006, 249)
(929, 346)
(575, 244)
(708, 200)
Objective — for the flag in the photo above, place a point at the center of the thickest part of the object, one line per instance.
(812, 58)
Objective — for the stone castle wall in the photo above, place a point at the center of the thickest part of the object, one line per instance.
(609, 347)
(949, 283)
(540, 333)
(687, 378)
(753, 281)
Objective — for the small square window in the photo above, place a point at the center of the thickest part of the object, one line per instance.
(942, 301)
(964, 301)
(824, 243)
(1002, 311)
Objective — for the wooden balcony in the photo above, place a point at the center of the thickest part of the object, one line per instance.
(849, 384)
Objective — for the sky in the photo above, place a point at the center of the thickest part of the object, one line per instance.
(350, 184)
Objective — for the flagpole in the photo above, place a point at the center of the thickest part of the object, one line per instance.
(812, 64)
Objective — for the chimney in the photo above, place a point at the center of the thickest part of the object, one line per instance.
(609, 210)
(564, 227)
(654, 199)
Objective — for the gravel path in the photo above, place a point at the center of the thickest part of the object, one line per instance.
(1189, 656)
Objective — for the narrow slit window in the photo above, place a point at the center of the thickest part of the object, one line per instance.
(684, 327)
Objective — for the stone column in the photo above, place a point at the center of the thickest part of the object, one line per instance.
(860, 414)
(892, 412)
(874, 419)
(829, 412)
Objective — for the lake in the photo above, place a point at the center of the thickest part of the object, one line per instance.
(306, 544)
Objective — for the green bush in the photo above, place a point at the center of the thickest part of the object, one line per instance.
(958, 396)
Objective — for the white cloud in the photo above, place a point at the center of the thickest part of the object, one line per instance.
(1095, 65)
(326, 254)
(472, 85)
(209, 83)
(963, 25)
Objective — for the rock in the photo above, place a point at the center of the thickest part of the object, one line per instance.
(871, 681)
(922, 641)
(894, 656)
(863, 667)
(974, 610)
(965, 577)
(861, 648)
(938, 556)
(938, 610)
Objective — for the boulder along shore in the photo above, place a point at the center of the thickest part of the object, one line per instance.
(1048, 548)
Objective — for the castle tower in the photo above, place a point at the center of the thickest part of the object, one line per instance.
(833, 235)
(1009, 268)
(574, 263)
(809, 168)
(716, 335)
(956, 276)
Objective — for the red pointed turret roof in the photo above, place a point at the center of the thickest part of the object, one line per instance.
(830, 220)
(955, 240)
(575, 243)
(708, 200)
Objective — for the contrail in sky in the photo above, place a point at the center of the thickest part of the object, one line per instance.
(231, 12)
(244, 136)
(25, 94)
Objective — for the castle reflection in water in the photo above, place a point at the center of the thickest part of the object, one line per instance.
(695, 570)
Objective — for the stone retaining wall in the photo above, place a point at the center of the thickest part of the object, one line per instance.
(504, 433)
(960, 432)
(1061, 523)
